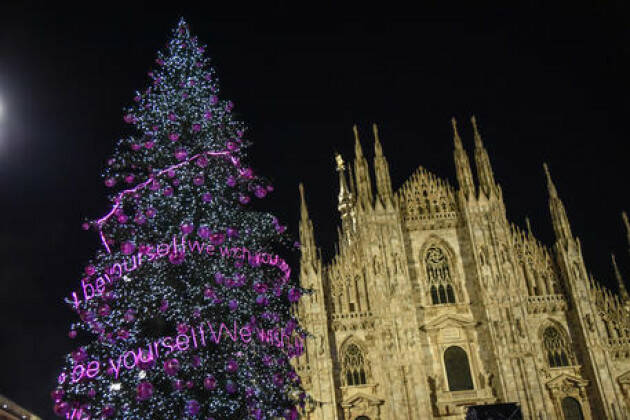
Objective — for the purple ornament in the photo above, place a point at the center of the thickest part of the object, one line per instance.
(202, 162)
(129, 178)
(294, 295)
(206, 197)
(72, 334)
(190, 384)
(231, 366)
(178, 384)
(198, 180)
(230, 387)
(203, 232)
(217, 238)
(171, 366)
(123, 334)
(196, 128)
(172, 117)
(213, 100)
(196, 361)
(173, 136)
(243, 199)
(260, 287)
(277, 380)
(233, 304)
(260, 192)
(57, 394)
(85, 226)
(79, 355)
(122, 218)
(149, 144)
(144, 391)
(210, 383)
(207, 115)
(231, 182)
(108, 411)
(163, 305)
(192, 407)
(110, 182)
(231, 232)
(61, 408)
(187, 228)
(130, 315)
(92, 393)
(139, 219)
(90, 270)
(176, 258)
(232, 146)
(135, 147)
(209, 293)
(170, 173)
(155, 185)
(129, 118)
(168, 191)
(127, 248)
(151, 212)
(104, 310)
(181, 154)
(229, 106)
(176, 182)
(182, 328)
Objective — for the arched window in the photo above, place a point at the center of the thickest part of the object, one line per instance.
(571, 409)
(457, 369)
(354, 367)
(439, 276)
(556, 349)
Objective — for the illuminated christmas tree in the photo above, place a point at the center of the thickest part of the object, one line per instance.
(186, 310)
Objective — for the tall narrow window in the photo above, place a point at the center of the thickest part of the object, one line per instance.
(571, 409)
(557, 351)
(439, 276)
(354, 366)
(457, 369)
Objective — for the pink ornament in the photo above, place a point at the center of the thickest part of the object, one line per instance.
(149, 144)
(171, 367)
(144, 391)
(104, 310)
(181, 154)
(85, 226)
(173, 136)
(182, 328)
(151, 212)
(154, 185)
(90, 270)
(79, 355)
(140, 219)
(123, 334)
(232, 146)
(129, 118)
(110, 182)
(129, 178)
(270, 188)
(127, 248)
(190, 384)
(168, 191)
(260, 192)
(172, 117)
(108, 411)
(231, 232)
(61, 408)
(247, 173)
(135, 147)
(72, 334)
(122, 218)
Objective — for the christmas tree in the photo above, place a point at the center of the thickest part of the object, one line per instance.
(185, 312)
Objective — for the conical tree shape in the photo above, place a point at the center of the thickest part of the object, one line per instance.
(185, 312)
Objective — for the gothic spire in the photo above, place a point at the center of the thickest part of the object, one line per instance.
(381, 170)
(462, 164)
(362, 174)
(559, 218)
(307, 235)
(624, 216)
(622, 287)
(485, 174)
(345, 204)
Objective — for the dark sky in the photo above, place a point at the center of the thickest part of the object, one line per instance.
(546, 84)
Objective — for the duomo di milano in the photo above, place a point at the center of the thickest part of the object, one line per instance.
(434, 302)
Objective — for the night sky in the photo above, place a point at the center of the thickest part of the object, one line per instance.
(546, 84)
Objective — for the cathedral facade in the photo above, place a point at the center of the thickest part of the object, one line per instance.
(435, 302)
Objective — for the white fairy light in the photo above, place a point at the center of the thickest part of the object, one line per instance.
(115, 387)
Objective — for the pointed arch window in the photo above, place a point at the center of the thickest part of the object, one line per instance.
(354, 366)
(557, 351)
(439, 276)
